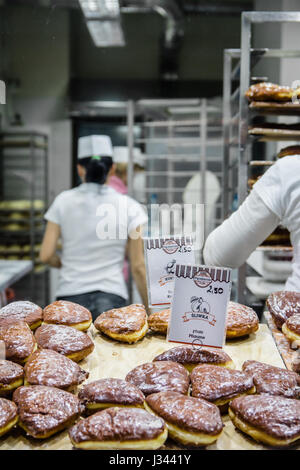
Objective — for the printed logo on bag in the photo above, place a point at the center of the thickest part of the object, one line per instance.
(200, 311)
(170, 247)
(202, 279)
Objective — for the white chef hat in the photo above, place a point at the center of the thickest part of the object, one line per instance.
(121, 155)
(95, 146)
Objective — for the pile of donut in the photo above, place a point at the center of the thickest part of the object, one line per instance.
(181, 394)
(284, 307)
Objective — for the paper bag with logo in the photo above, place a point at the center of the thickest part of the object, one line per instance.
(161, 255)
(199, 305)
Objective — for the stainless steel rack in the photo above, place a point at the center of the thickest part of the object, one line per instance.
(238, 68)
(23, 200)
(179, 139)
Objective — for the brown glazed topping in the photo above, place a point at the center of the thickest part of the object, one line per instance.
(293, 323)
(277, 416)
(161, 376)
(42, 409)
(22, 310)
(62, 339)
(122, 320)
(290, 150)
(241, 318)
(47, 367)
(118, 424)
(266, 91)
(8, 411)
(111, 391)
(191, 414)
(282, 305)
(66, 313)
(159, 321)
(214, 382)
(10, 372)
(18, 338)
(296, 363)
(273, 380)
(193, 355)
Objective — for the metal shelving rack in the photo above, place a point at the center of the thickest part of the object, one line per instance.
(23, 200)
(236, 112)
(179, 139)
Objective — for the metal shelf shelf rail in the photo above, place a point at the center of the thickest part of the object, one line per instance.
(236, 112)
(23, 200)
(179, 139)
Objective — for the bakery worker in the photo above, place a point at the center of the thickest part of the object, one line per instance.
(118, 179)
(95, 222)
(274, 200)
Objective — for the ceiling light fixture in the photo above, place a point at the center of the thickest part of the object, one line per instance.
(106, 33)
(100, 9)
(103, 22)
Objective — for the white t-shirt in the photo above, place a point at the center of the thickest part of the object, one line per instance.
(95, 222)
(274, 199)
(279, 188)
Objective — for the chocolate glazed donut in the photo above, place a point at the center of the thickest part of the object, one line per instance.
(70, 342)
(160, 376)
(11, 377)
(269, 419)
(43, 411)
(190, 421)
(47, 367)
(119, 428)
(29, 312)
(282, 305)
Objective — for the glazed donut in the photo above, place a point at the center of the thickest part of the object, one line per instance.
(291, 329)
(269, 419)
(31, 313)
(119, 428)
(63, 312)
(11, 376)
(8, 415)
(127, 324)
(44, 411)
(159, 321)
(65, 340)
(296, 363)
(240, 321)
(105, 393)
(160, 376)
(220, 385)
(273, 380)
(266, 91)
(191, 357)
(290, 150)
(190, 421)
(282, 305)
(18, 339)
(47, 367)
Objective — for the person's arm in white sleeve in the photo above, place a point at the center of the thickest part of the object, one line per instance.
(237, 237)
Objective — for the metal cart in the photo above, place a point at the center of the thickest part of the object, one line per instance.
(237, 115)
(23, 200)
(181, 139)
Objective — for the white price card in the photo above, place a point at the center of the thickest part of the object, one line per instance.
(199, 306)
(161, 256)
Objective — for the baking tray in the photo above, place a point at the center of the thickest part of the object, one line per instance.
(267, 134)
(268, 107)
(112, 359)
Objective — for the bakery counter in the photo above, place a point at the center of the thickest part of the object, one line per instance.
(12, 271)
(113, 359)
